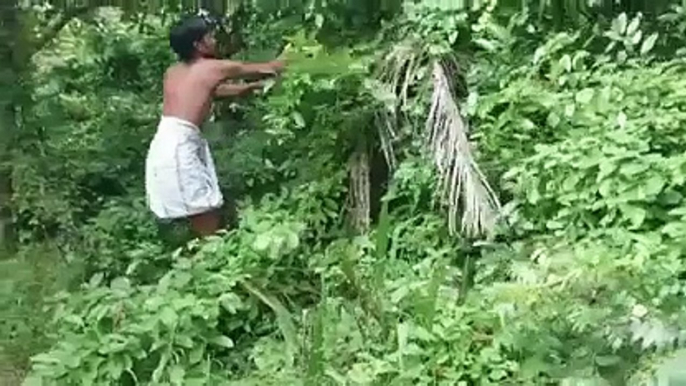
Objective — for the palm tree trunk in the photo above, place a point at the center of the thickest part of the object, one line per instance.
(359, 189)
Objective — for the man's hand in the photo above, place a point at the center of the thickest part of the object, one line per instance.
(256, 86)
(279, 66)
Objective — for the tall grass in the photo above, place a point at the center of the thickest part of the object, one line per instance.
(28, 279)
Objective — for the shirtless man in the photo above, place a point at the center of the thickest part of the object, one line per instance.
(180, 177)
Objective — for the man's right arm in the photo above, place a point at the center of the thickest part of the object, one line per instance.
(229, 69)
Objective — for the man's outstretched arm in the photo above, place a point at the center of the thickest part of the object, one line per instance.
(237, 90)
(229, 69)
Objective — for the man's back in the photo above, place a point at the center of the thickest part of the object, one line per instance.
(188, 92)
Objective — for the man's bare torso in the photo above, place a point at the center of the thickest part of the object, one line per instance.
(188, 91)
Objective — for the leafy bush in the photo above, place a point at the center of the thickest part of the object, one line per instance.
(581, 284)
(27, 281)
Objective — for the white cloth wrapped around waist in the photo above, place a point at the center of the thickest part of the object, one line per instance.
(180, 176)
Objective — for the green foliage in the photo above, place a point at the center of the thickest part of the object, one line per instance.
(84, 138)
(580, 131)
(27, 282)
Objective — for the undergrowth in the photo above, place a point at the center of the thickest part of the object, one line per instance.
(344, 269)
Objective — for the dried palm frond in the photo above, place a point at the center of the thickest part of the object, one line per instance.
(387, 136)
(462, 182)
(397, 73)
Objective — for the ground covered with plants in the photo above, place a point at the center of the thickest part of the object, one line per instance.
(429, 196)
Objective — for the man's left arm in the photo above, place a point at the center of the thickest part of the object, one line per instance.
(237, 90)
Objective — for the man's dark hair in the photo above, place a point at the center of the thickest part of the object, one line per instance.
(186, 33)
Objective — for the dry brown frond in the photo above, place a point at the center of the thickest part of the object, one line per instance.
(387, 135)
(397, 73)
(463, 184)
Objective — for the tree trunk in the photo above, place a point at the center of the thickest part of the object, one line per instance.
(9, 84)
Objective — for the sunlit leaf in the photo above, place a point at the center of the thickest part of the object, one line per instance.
(649, 43)
(222, 341)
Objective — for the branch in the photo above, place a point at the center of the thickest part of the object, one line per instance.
(55, 26)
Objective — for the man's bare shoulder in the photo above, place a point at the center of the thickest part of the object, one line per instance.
(173, 72)
(205, 71)
(208, 70)
(208, 65)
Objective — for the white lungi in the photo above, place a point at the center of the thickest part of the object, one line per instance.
(180, 177)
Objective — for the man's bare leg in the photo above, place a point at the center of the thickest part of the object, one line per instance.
(206, 224)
